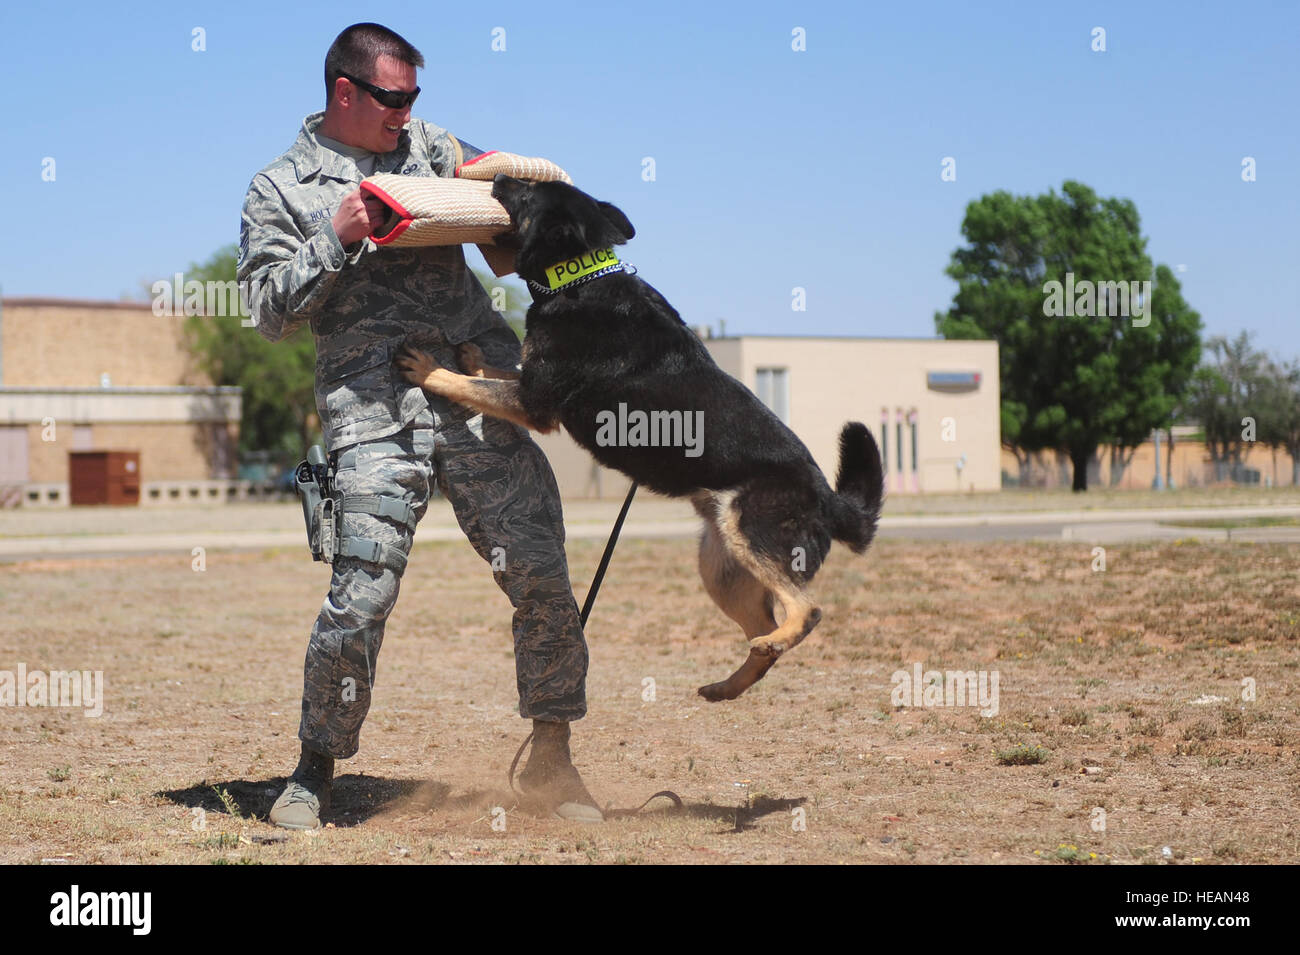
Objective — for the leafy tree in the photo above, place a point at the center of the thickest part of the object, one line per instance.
(1279, 422)
(1156, 364)
(277, 379)
(1290, 424)
(1224, 393)
(1071, 382)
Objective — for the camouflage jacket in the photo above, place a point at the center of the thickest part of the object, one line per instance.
(361, 302)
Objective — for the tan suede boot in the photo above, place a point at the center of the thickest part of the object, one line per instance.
(306, 797)
(550, 779)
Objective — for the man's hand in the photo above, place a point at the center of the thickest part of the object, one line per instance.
(357, 217)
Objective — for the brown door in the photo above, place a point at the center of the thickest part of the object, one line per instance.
(124, 477)
(104, 477)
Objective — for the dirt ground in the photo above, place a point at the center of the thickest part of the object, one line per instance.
(1121, 733)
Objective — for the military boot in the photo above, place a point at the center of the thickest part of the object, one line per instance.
(307, 796)
(551, 781)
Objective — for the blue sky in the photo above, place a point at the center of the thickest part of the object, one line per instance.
(774, 168)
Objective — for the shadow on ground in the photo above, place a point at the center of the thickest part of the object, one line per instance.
(742, 818)
(357, 798)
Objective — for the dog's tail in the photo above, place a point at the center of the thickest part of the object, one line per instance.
(859, 488)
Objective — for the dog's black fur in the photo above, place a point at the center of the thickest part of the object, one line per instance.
(614, 339)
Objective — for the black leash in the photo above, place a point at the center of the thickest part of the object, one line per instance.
(587, 604)
(609, 812)
(604, 560)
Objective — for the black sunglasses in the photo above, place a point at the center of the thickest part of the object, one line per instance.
(393, 99)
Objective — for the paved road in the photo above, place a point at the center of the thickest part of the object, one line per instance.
(117, 532)
(1096, 527)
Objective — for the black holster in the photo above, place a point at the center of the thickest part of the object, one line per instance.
(321, 512)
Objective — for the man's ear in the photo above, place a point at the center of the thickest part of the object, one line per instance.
(615, 215)
(343, 87)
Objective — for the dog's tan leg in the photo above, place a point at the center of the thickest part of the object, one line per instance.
(801, 614)
(733, 588)
(471, 360)
(492, 396)
(744, 600)
(764, 651)
(751, 671)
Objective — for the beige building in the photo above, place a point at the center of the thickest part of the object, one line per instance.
(108, 376)
(932, 405)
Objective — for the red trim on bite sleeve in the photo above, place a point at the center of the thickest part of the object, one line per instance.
(404, 221)
(470, 162)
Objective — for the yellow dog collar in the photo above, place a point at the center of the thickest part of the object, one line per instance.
(580, 267)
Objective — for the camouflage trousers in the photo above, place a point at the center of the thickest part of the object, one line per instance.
(504, 495)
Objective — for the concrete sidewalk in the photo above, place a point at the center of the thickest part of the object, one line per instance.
(1108, 526)
(104, 532)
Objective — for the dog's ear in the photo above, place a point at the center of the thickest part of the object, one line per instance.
(615, 215)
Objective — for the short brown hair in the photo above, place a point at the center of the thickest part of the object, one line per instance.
(356, 49)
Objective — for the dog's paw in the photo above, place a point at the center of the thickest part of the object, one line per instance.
(419, 368)
(470, 359)
(717, 692)
(415, 365)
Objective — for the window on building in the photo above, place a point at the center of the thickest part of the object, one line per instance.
(773, 389)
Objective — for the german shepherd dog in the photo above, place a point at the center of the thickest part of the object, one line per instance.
(606, 355)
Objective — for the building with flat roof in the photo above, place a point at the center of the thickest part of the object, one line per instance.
(107, 376)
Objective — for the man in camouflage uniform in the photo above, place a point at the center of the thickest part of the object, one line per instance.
(304, 256)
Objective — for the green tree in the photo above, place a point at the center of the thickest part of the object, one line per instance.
(1071, 383)
(279, 404)
(1289, 425)
(1279, 413)
(1156, 364)
(1225, 392)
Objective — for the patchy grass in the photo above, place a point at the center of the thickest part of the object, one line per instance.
(1164, 690)
(1022, 754)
